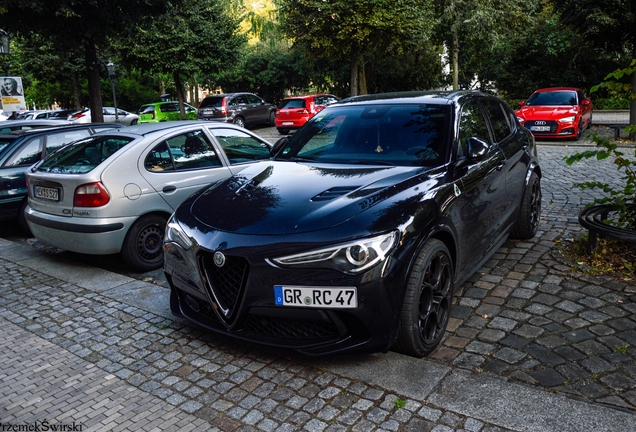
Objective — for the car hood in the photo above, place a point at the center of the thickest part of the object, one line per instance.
(277, 198)
(546, 112)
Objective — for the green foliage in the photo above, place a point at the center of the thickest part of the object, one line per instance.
(615, 83)
(621, 199)
(400, 403)
(347, 31)
(267, 70)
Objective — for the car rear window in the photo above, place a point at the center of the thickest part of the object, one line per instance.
(147, 109)
(212, 101)
(292, 103)
(82, 156)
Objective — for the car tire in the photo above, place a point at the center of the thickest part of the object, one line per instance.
(272, 118)
(239, 121)
(134, 122)
(143, 245)
(579, 131)
(283, 131)
(427, 301)
(22, 223)
(527, 223)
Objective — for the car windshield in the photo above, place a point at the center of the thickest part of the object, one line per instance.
(212, 101)
(553, 98)
(82, 156)
(405, 135)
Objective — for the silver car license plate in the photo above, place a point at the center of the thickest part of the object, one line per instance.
(540, 128)
(51, 194)
(317, 297)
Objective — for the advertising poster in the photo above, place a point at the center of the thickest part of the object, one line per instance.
(12, 94)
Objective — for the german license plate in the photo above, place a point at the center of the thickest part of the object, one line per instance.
(51, 194)
(540, 128)
(317, 297)
(288, 123)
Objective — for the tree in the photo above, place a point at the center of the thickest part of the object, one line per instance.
(197, 37)
(87, 24)
(608, 25)
(330, 29)
(477, 27)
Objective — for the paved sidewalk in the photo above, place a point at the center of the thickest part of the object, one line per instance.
(532, 346)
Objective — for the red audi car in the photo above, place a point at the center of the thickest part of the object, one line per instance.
(294, 111)
(557, 112)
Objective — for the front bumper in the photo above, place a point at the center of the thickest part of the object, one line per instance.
(246, 289)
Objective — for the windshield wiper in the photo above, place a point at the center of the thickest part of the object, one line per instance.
(301, 159)
(370, 162)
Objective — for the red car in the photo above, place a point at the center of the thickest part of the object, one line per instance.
(557, 112)
(294, 111)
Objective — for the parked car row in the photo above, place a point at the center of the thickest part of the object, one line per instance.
(350, 235)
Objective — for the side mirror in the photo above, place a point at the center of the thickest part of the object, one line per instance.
(586, 102)
(278, 145)
(477, 148)
(522, 103)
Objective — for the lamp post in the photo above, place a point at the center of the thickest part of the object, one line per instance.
(111, 75)
(5, 51)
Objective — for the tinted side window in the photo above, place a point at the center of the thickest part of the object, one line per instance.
(472, 124)
(252, 99)
(498, 120)
(241, 100)
(27, 154)
(240, 147)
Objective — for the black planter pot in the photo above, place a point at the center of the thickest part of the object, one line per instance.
(595, 220)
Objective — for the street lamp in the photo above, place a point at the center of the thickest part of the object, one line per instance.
(5, 51)
(111, 75)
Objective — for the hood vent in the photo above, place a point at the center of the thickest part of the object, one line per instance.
(333, 193)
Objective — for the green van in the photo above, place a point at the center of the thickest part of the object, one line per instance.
(164, 111)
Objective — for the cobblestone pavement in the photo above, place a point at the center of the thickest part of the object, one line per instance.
(527, 333)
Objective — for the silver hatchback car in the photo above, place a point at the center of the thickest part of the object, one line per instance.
(113, 192)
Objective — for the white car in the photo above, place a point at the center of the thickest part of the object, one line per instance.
(124, 117)
(114, 191)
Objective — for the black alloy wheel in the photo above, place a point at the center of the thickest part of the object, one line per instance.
(527, 223)
(427, 301)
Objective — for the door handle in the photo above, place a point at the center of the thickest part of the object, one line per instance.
(168, 189)
(500, 165)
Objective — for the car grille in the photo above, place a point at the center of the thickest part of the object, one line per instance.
(553, 125)
(291, 328)
(226, 283)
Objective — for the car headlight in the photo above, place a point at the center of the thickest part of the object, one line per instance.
(174, 233)
(351, 258)
(567, 119)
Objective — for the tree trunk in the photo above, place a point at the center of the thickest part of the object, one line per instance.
(94, 86)
(455, 58)
(355, 62)
(362, 83)
(632, 102)
(180, 96)
(76, 90)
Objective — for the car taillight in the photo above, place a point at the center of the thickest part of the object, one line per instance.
(79, 115)
(91, 195)
(223, 107)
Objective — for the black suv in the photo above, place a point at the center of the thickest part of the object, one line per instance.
(243, 109)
